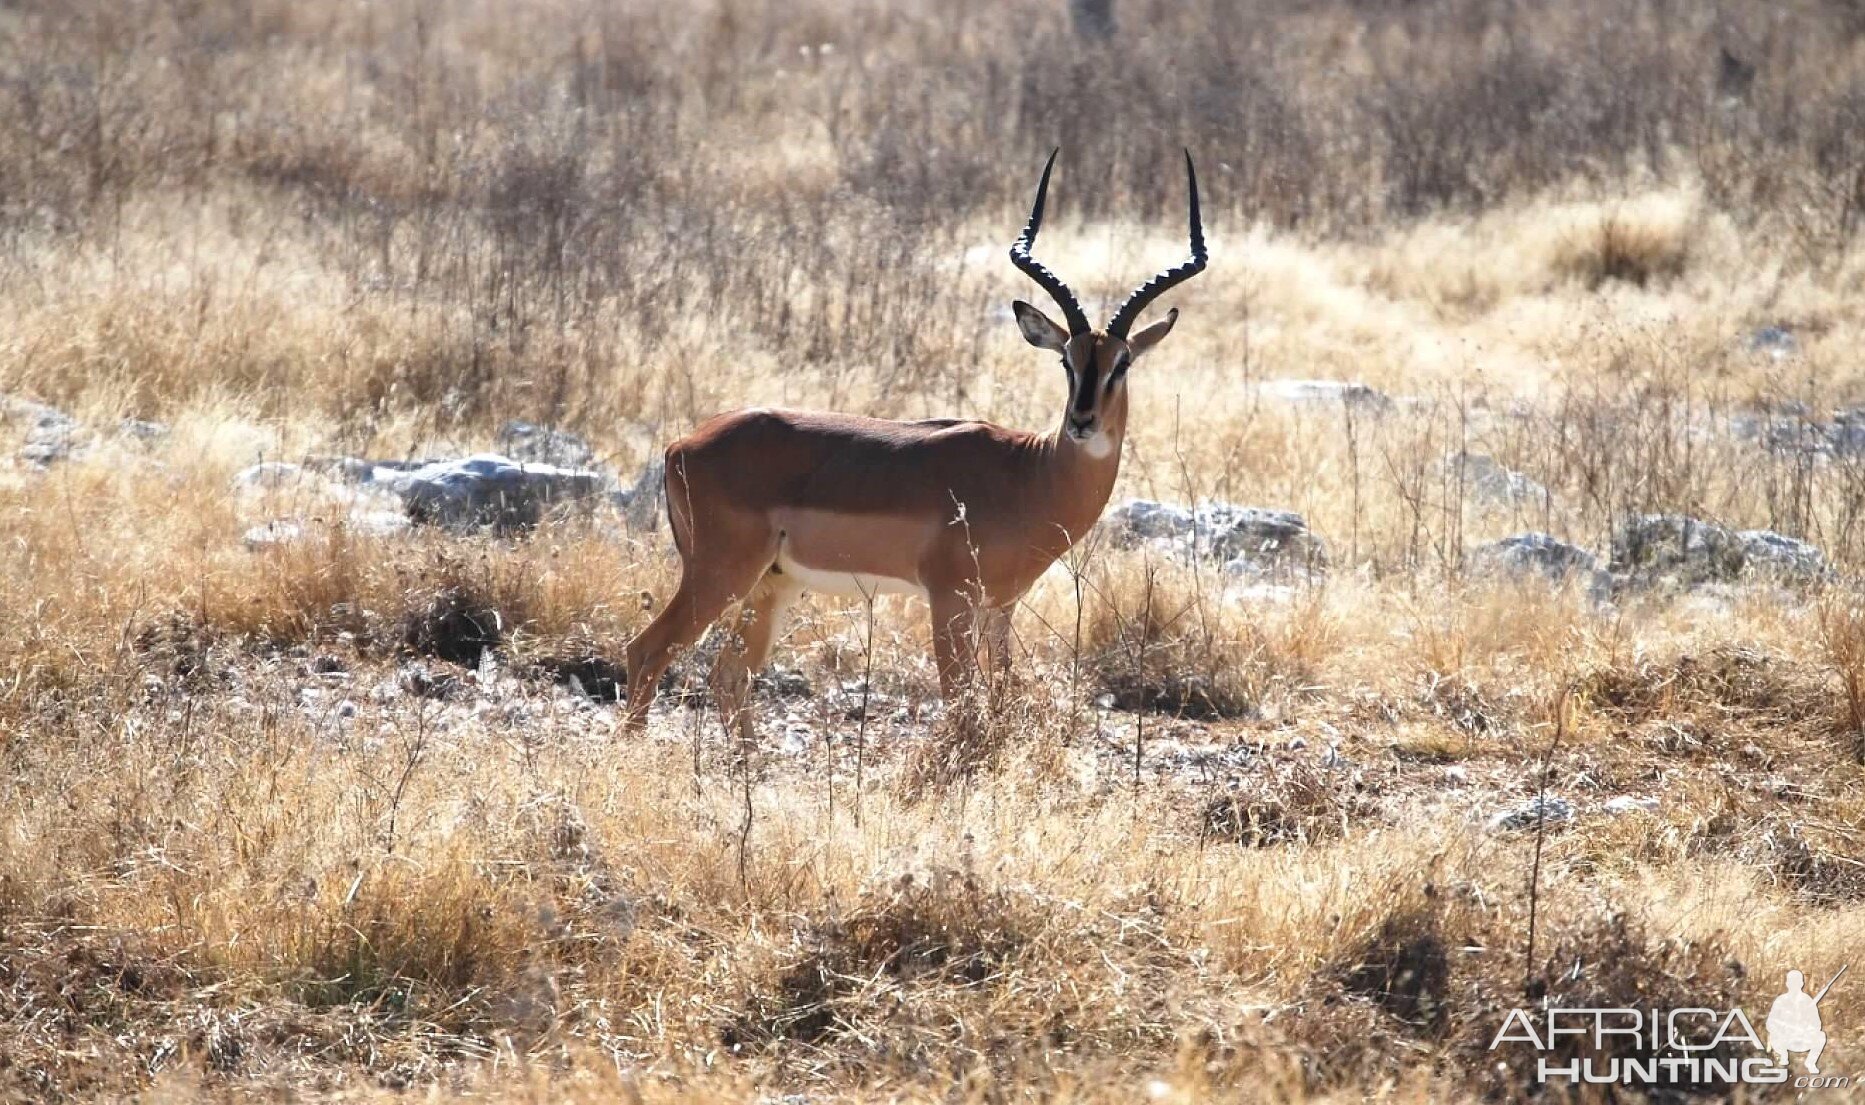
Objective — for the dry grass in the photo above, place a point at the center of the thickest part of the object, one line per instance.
(346, 817)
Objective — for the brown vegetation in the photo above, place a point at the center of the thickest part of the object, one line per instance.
(342, 816)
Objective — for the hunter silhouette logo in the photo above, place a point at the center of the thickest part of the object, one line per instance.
(1794, 1021)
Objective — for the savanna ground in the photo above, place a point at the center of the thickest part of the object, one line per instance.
(326, 819)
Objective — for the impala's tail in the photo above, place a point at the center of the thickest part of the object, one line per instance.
(678, 499)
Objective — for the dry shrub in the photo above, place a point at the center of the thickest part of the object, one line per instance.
(1405, 968)
(1445, 966)
(1603, 962)
(1290, 801)
(969, 739)
(104, 984)
(1729, 681)
(1009, 725)
(428, 595)
(1165, 642)
(455, 624)
(193, 655)
(1842, 638)
(1470, 708)
(585, 671)
(411, 944)
(1818, 863)
(1624, 248)
(945, 931)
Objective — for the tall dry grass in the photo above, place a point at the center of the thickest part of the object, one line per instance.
(330, 818)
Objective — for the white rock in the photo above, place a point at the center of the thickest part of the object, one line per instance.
(268, 476)
(1488, 482)
(1630, 803)
(279, 531)
(489, 490)
(1553, 811)
(1250, 542)
(1339, 392)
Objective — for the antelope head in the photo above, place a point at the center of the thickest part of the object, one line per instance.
(1097, 360)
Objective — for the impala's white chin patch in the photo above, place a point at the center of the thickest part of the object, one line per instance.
(1097, 445)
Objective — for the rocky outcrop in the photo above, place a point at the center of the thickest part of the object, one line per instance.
(1793, 429)
(1540, 556)
(51, 434)
(1786, 559)
(488, 491)
(485, 491)
(1333, 392)
(530, 443)
(270, 475)
(1246, 541)
(1488, 482)
(1678, 549)
(1774, 342)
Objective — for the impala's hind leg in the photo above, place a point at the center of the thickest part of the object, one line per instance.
(704, 593)
(759, 625)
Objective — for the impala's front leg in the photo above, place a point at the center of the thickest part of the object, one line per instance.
(997, 640)
(955, 644)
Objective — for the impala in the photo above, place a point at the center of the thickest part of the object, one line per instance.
(767, 504)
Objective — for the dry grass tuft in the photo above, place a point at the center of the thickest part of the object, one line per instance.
(1814, 861)
(945, 930)
(1625, 248)
(1290, 801)
(262, 836)
(1728, 683)
(1159, 642)
(1405, 969)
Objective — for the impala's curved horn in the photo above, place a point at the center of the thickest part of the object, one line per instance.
(1172, 277)
(1051, 283)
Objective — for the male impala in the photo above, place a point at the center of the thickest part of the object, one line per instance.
(767, 504)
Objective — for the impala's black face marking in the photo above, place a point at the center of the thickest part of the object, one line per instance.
(1082, 380)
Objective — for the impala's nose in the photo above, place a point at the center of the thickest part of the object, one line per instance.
(1080, 427)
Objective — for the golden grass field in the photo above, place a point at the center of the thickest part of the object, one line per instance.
(262, 837)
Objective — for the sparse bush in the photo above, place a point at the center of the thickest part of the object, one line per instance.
(947, 930)
(1812, 861)
(454, 625)
(1405, 968)
(1625, 248)
(1842, 634)
(1157, 642)
(1729, 681)
(1289, 801)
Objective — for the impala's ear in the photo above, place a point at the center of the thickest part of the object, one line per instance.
(1152, 335)
(1037, 329)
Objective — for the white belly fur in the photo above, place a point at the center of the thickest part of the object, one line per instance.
(854, 585)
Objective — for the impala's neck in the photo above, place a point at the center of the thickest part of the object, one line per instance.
(1086, 469)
